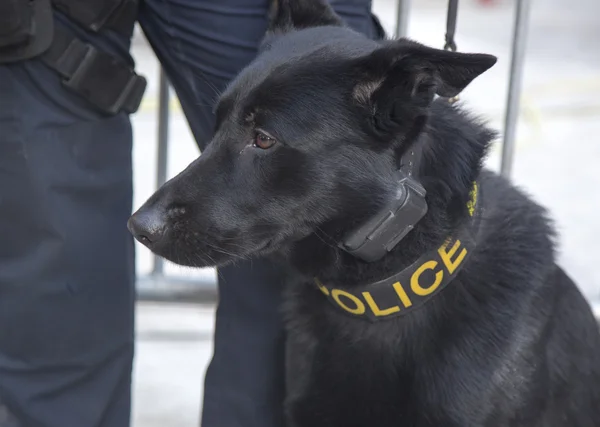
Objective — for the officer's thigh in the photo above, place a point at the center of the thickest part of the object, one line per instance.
(203, 44)
(66, 257)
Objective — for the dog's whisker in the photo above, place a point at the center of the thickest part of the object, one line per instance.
(319, 230)
(207, 81)
(216, 248)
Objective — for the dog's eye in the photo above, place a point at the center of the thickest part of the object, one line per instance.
(263, 141)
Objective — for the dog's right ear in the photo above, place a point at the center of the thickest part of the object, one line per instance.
(290, 15)
(398, 81)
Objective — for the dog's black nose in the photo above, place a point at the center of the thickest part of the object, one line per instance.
(147, 226)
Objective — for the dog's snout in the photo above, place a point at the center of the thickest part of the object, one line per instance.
(147, 226)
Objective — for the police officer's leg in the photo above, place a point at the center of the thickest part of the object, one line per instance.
(202, 45)
(66, 257)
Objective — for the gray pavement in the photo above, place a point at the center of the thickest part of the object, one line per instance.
(558, 148)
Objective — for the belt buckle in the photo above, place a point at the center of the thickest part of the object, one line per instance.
(132, 95)
(129, 95)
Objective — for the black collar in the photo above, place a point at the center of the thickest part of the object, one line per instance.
(415, 285)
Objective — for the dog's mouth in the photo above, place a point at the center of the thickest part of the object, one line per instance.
(186, 246)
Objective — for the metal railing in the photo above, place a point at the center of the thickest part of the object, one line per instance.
(160, 287)
(157, 286)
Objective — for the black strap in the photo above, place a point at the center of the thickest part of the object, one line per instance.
(451, 25)
(94, 15)
(104, 80)
(409, 163)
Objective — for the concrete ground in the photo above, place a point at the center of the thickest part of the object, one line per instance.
(555, 161)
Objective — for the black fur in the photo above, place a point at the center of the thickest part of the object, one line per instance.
(510, 342)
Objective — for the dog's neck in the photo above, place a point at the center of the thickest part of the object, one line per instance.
(452, 148)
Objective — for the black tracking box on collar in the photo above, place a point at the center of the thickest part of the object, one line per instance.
(377, 236)
(382, 232)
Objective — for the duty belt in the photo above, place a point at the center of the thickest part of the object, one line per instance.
(94, 15)
(107, 82)
(28, 30)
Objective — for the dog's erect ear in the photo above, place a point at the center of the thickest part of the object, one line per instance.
(409, 63)
(289, 15)
(399, 80)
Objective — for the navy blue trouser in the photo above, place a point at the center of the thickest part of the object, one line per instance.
(67, 259)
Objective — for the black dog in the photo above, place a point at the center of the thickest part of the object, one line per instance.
(428, 291)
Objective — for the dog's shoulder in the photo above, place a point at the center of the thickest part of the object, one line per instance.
(515, 228)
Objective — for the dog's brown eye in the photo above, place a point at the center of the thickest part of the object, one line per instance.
(263, 141)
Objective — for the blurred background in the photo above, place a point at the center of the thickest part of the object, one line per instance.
(557, 148)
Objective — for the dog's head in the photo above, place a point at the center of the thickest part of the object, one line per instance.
(309, 133)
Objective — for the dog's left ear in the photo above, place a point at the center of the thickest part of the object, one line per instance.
(398, 81)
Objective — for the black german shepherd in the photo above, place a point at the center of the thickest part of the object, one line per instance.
(429, 293)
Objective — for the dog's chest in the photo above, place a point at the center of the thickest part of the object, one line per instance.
(343, 373)
(332, 384)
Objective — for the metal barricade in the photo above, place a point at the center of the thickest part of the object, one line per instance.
(158, 286)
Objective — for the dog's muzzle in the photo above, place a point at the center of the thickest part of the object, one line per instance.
(148, 226)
